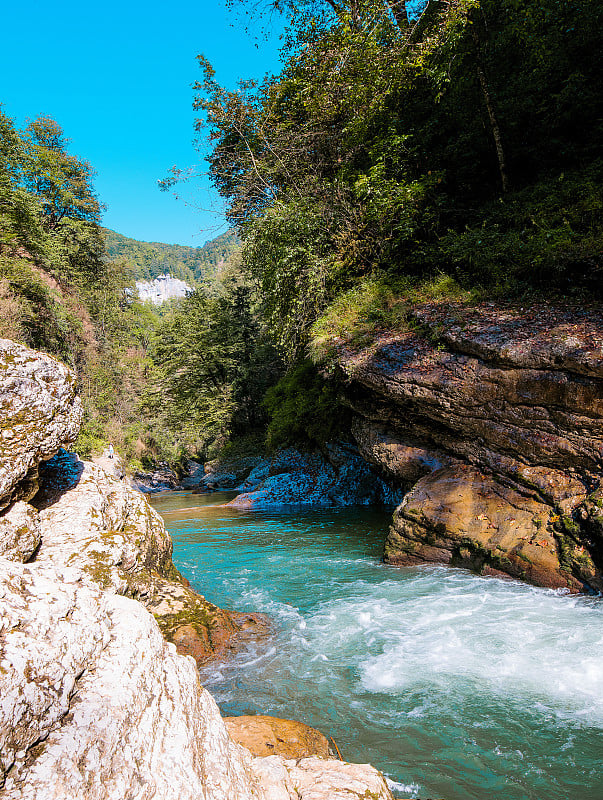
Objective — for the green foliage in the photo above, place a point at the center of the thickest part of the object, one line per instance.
(377, 305)
(148, 260)
(92, 438)
(213, 366)
(411, 140)
(288, 251)
(547, 237)
(61, 182)
(304, 409)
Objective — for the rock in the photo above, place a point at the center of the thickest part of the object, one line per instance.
(112, 465)
(514, 394)
(96, 704)
(533, 336)
(161, 480)
(320, 779)
(197, 627)
(19, 532)
(40, 413)
(99, 524)
(267, 736)
(292, 478)
(462, 517)
(403, 462)
(194, 473)
(226, 473)
(470, 409)
(161, 289)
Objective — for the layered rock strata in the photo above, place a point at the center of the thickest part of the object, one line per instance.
(95, 702)
(496, 414)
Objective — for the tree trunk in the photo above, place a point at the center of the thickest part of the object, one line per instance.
(496, 135)
(494, 126)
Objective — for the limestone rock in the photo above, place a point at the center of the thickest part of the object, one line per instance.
(468, 408)
(533, 336)
(40, 413)
(96, 704)
(161, 289)
(405, 462)
(99, 524)
(462, 517)
(319, 779)
(160, 480)
(19, 532)
(267, 736)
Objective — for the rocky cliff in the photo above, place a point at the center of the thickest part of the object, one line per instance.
(95, 703)
(492, 418)
(162, 289)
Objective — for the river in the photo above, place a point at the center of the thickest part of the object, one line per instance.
(454, 685)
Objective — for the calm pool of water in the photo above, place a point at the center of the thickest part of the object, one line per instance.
(454, 685)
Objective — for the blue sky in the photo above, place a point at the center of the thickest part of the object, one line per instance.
(117, 77)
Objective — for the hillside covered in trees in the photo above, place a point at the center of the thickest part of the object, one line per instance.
(404, 143)
(65, 287)
(148, 260)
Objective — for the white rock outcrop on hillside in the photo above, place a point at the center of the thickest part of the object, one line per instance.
(39, 413)
(161, 289)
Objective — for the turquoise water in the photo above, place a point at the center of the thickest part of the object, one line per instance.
(454, 685)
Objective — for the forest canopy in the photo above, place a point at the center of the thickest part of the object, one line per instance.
(407, 140)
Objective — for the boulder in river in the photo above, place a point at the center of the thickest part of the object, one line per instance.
(271, 736)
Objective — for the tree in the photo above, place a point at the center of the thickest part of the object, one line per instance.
(19, 211)
(62, 182)
(396, 134)
(214, 365)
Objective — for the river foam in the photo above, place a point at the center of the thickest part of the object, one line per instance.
(455, 685)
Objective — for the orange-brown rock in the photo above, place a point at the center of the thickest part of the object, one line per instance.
(462, 517)
(204, 631)
(269, 736)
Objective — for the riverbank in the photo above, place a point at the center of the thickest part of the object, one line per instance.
(92, 611)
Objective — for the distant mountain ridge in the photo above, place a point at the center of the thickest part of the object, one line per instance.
(150, 260)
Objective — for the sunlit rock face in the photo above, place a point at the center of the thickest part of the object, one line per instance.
(97, 704)
(96, 522)
(491, 404)
(161, 289)
(39, 413)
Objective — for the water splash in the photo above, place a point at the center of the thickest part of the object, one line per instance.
(454, 685)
